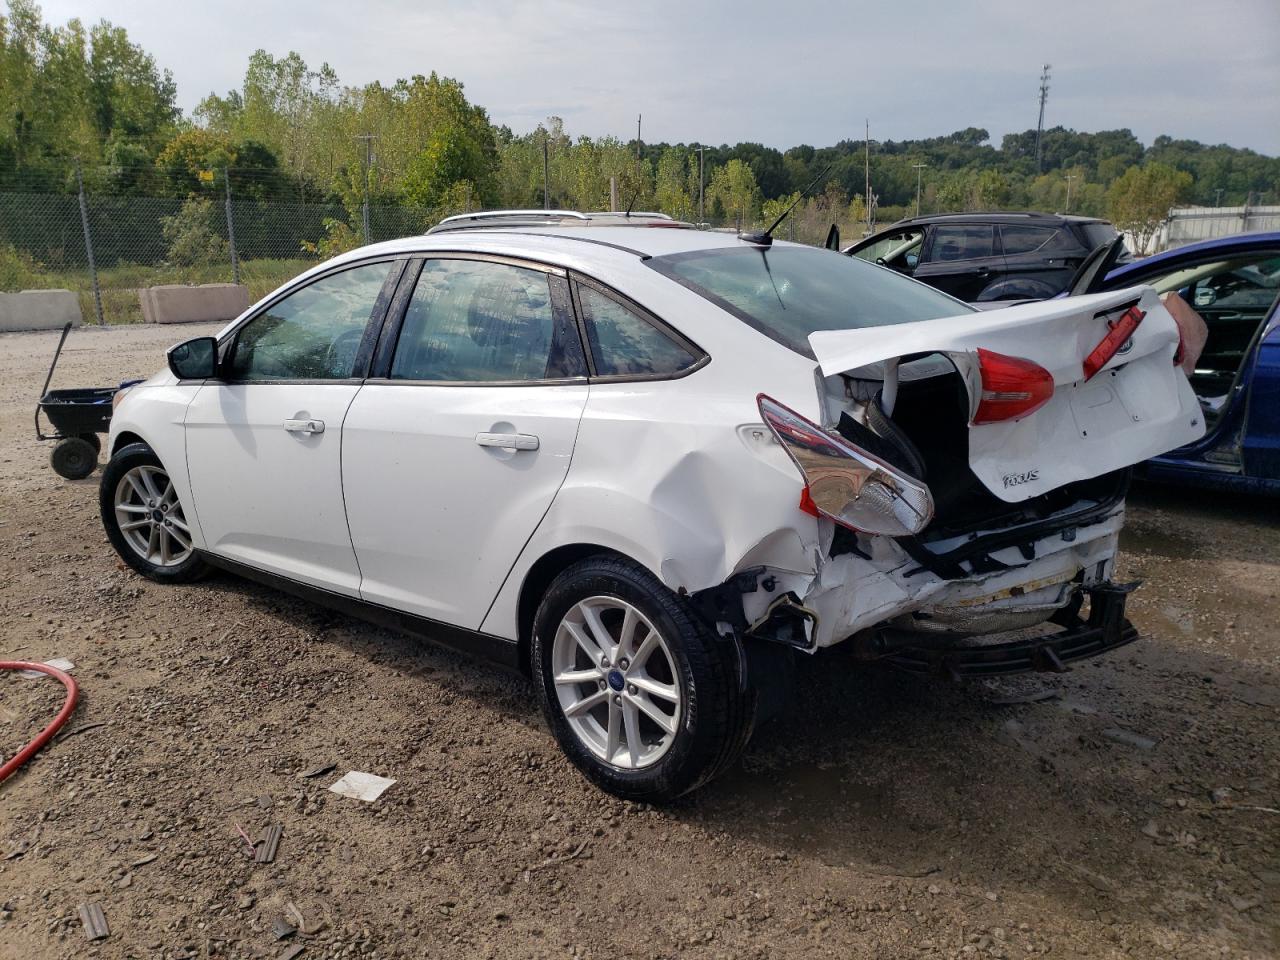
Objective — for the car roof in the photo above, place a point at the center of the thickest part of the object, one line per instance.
(1237, 241)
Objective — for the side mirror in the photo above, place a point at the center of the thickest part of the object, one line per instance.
(194, 360)
(1205, 296)
(912, 260)
(833, 238)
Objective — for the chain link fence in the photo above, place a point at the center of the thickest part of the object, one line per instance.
(107, 248)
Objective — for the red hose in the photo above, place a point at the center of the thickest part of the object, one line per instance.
(73, 696)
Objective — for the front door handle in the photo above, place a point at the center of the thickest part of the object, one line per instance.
(508, 441)
(304, 426)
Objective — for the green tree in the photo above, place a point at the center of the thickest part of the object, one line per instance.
(734, 190)
(1138, 203)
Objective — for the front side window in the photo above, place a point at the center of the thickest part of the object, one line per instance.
(477, 321)
(891, 246)
(789, 292)
(961, 241)
(625, 344)
(313, 333)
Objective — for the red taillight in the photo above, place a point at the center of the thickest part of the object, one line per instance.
(1107, 347)
(1012, 387)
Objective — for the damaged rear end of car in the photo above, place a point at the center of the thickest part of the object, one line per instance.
(968, 474)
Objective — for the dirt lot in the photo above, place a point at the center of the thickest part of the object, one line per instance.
(881, 817)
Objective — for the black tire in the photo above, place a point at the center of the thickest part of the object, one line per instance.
(124, 460)
(73, 458)
(717, 715)
(93, 440)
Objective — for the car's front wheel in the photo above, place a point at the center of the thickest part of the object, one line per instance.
(144, 519)
(644, 699)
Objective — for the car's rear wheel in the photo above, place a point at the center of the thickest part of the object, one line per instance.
(642, 697)
(144, 519)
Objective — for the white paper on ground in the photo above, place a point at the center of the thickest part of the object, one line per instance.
(66, 666)
(361, 786)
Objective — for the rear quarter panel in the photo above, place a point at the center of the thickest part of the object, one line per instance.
(681, 475)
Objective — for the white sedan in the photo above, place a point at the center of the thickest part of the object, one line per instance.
(647, 464)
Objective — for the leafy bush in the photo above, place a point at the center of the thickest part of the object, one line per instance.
(17, 270)
(339, 237)
(191, 235)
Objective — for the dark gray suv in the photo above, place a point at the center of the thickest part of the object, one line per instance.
(988, 256)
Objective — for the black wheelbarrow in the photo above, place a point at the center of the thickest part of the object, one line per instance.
(77, 416)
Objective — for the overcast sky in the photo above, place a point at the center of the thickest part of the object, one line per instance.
(783, 73)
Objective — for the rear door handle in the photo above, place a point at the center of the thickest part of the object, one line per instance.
(508, 441)
(304, 426)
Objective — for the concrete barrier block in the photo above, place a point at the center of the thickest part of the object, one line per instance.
(39, 310)
(208, 303)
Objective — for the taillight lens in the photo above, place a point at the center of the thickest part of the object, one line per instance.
(1012, 387)
(846, 483)
(1109, 345)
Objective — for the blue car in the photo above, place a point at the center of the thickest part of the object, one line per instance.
(1234, 283)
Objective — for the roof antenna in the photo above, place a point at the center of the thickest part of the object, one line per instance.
(765, 238)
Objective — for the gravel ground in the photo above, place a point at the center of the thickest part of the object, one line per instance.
(1130, 810)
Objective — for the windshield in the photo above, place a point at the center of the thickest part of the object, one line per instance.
(789, 292)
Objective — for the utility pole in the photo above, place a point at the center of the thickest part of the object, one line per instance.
(1044, 95)
(1217, 200)
(231, 230)
(88, 246)
(701, 181)
(546, 177)
(918, 168)
(638, 118)
(867, 171)
(1069, 178)
(368, 139)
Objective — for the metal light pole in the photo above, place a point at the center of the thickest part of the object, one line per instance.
(701, 180)
(1217, 201)
(919, 167)
(368, 139)
(1069, 178)
(1044, 95)
(546, 177)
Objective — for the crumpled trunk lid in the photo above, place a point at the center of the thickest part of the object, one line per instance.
(1138, 405)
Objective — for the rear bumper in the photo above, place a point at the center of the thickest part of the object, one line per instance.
(1106, 629)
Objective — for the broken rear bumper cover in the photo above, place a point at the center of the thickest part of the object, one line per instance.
(1105, 629)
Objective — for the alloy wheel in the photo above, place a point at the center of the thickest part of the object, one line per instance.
(151, 518)
(616, 681)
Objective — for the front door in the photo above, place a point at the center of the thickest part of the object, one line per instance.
(455, 448)
(264, 443)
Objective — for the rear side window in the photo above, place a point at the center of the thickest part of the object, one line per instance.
(477, 321)
(623, 343)
(1020, 239)
(1096, 234)
(313, 333)
(961, 241)
(788, 292)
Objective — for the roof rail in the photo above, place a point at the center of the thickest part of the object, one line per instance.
(523, 214)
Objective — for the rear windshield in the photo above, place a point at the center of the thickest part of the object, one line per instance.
(789, 292)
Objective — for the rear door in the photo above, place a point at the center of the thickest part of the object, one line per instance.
(458, 442)
(1137, 405)
(961, 259)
